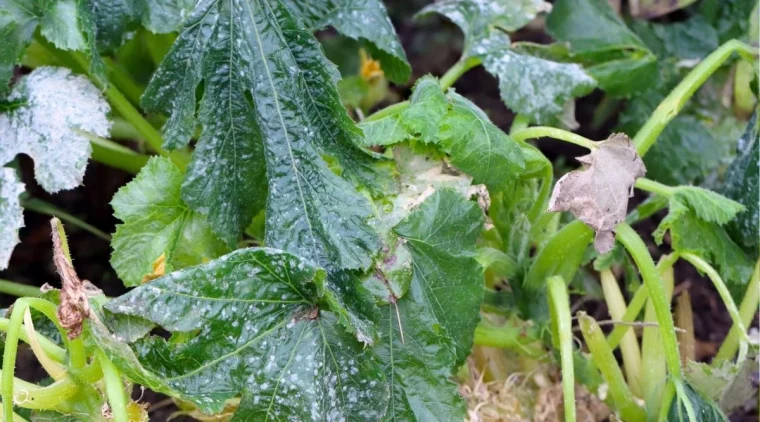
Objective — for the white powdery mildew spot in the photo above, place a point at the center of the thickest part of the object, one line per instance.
(55, 103)
(11, 215)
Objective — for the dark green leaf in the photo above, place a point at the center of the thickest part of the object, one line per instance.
(157, 223)
(742, 184)
(441, 236)
(612, 54)
(688, 40)
(269, 108)
(427, 107)
(731, 18)
(358, 19)
(690, 233)
(705, 410)
(477, 146)
(438, 314)
(255, 325)
(707, 205)
(115, 19)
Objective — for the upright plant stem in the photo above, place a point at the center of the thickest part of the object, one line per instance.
(657, 295)
(674, 102)
(608, 366)
(112, 154)
(629, 345)
(563, 338)
(388, 111)
(519, 123)
(747, 310)
(51, 349)
(551, 132)
(114, 388)
(653, 374)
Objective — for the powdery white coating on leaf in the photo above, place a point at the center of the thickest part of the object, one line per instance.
(11, 214)
(598, 194)
(56, 103)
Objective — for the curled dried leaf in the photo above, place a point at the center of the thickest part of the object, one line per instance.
(74, 307)
(598, 193)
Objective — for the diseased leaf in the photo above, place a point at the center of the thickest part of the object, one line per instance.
(742, 184)
(158, 224)
(52, 105)
(256, 324)
(530, 86)
(688, 40)
(477, 146)
(438, 314)
(598, 194)
(360, 20)
(269, 108)
(11, 213)
(65, 23)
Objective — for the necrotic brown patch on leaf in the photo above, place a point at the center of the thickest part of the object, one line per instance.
(74, 307)
(598, 193)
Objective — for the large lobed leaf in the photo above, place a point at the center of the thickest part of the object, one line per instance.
(158, 225)
(531, 86)
(269, 109)
(360, 20)
(254, 325)
(47, 110)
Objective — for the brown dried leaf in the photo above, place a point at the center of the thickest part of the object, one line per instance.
(598, 194)
(74, 307)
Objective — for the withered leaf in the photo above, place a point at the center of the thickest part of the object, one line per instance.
(74, 307)
(598, 193)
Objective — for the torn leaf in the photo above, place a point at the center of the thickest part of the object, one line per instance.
(49, 107)
(11, 215)
(598, 194)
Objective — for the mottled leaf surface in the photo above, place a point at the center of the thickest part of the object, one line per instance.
(269, 108)
(531, 86)
(728, 384)
(438, 313)
(704, 409)
(11, 213)
(598, 194)
(51, 106)
(361, 20)
(157, 223)
(742, 184)
(255, 326)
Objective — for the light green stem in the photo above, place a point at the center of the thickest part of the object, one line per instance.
(17, 289)
(9, 356)
(42, 207)
(747, 310)
(608, 366)
(388, 111)
(562, 333)
(519, 123)
(637, 304)
(123, 80)
(657, 295)
(550, 132)
(675, 101)
(720, 286)
(629, 345)
(654, 187)
(456, 71)
(112, 154)
(114, 388)
(51, 349)
(654, 374)
(508, 337)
